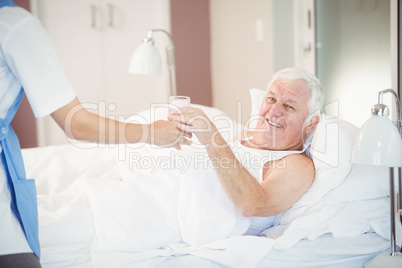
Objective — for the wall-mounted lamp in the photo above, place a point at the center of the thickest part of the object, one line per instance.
(379, 144)
(146, 60)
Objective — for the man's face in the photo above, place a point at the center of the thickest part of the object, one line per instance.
(282, 114)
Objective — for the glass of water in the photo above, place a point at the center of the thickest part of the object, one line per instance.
(176, 102)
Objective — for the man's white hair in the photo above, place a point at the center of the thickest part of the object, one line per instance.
(316, 101)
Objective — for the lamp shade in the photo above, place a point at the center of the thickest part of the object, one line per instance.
(146, 60)
(378, 144)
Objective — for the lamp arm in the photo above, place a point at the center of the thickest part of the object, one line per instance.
(149, 35)
(170, 59)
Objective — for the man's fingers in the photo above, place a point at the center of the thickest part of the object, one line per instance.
(185, 141)
(183, 127)
(182, 118)
(187, 135)
(177, 146)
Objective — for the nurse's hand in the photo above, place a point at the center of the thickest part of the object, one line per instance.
(167, 134)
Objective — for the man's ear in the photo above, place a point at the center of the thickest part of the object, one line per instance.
(311, 122)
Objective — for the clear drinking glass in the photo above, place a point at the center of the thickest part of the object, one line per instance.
(176, 102)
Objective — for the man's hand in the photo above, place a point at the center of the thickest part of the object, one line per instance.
(194, 120)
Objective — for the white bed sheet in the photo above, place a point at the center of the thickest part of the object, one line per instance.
(325, 251)
(68, 233)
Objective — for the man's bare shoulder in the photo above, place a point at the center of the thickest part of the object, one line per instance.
(299, 159)
(300, 163)
(296, 165)
(295, 160)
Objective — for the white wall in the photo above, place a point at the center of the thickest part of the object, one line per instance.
(240, 60)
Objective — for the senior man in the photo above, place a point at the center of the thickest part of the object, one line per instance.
(288, 113)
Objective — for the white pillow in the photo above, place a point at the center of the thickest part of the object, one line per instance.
(330, 150)
(257, 96)
(362, 183)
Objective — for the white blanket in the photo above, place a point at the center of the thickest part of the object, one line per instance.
(89, 217)
(159, 207)
(168, 212)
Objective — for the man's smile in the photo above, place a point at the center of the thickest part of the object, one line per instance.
(273, 123)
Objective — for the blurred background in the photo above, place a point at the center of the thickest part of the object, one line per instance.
(223, 48)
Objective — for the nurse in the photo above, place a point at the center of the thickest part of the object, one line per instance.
(29, 65)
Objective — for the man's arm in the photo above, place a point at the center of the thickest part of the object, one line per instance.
(280, 188)
(283, 183)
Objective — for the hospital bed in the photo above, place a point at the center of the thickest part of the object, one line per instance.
(92, 209)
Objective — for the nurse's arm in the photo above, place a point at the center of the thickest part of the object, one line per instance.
(80, 124)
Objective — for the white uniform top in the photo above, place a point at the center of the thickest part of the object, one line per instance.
(28, 59)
